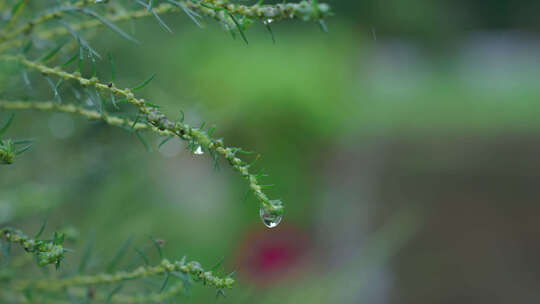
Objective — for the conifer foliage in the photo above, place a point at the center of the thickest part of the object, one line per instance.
(67, 59)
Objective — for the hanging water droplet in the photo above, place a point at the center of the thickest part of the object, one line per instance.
(198, 151)
(268, 219)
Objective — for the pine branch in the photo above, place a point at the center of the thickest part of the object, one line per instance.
(222, 11)
(9, 148)
(46, 251)
(51, 14)
(195, 136)
(78, 15)
(192, 269)
(89, 24)
(303, 10)
(49, 106)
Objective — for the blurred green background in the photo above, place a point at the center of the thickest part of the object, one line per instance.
(404, 144)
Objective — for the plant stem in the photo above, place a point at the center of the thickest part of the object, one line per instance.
(211, 8)
(162, 123)
(192, 268)
(49, 106)
(54, 13)
(47, 251)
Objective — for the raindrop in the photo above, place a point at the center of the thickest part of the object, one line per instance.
(198, 151)
(269, 220)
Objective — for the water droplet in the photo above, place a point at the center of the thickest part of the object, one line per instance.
(198, 151)
(268, 219)
(268, 21)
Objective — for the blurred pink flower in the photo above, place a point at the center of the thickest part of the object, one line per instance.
(268, 256)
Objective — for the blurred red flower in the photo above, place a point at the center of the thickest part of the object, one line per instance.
(266, 256)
